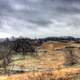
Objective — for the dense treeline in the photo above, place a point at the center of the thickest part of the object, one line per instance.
(64, 39)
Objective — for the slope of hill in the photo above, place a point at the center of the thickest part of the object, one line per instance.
(58, 60)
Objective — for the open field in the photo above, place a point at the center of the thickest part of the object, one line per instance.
(51, 63)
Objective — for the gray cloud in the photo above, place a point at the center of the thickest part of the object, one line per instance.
(34, 17)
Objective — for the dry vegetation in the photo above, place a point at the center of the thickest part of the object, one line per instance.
(62, 74)
(52, 57)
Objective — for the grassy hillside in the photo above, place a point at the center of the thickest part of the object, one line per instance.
(53, 62)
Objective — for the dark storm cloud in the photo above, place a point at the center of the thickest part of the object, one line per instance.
(21, 16)
(41, 22)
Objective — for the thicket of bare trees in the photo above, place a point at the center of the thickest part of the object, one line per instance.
(9, 48)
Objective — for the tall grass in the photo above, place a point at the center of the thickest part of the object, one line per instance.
(63, 74)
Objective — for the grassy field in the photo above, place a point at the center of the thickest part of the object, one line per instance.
(50, 65)
(58, 72)
(48, 60)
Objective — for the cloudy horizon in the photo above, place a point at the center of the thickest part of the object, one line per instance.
(39, 18)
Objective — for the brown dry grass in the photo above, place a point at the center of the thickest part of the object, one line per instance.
(51, 59)
(53, 45)
(63, 74)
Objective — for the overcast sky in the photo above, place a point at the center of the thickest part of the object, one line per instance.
(39, 18)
